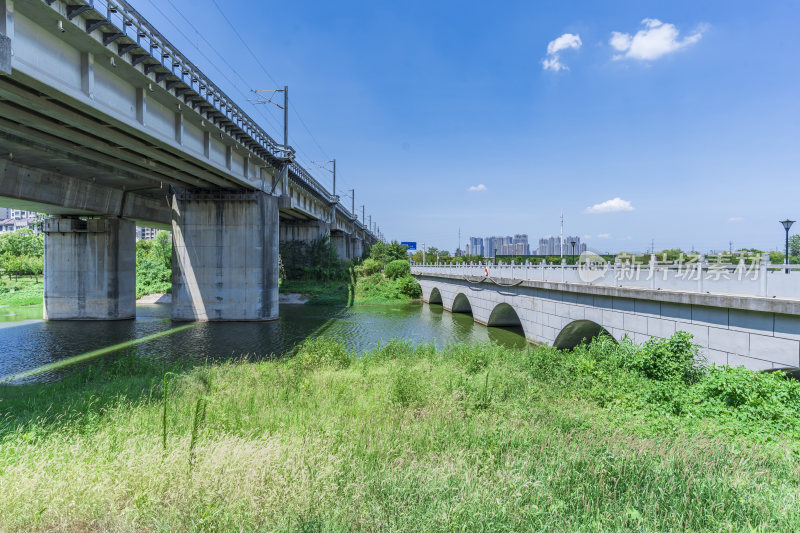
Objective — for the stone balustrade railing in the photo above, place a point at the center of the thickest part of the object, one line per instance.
(755, 279)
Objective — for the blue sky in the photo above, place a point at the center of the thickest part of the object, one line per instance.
(682, 127)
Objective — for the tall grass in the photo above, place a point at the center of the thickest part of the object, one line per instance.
(405, 438)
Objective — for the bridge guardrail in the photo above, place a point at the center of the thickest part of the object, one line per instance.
(125, 20)
(760, 279)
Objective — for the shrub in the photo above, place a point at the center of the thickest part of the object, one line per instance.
(315, 260)
(409, 287)
(670, 359)
(368, 267)
(397, 269)
(385, 252)
(752, 395)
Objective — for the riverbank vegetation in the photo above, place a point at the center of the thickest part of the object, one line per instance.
(21, 263)
(314, 269)
(480, 438)
(154, 265)
(21, 254)
(21, 291)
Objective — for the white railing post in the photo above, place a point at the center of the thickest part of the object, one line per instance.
(653, 271)
(700, 262)
(762, 270)
(563, 270)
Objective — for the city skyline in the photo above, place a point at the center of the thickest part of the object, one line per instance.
(518, 245)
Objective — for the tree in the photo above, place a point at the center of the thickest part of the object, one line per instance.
(162, 248)
(383, 252)
(21, 243)
(794, 245)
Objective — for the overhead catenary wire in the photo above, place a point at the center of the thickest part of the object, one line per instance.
(301, 155)
(273, 121)
(293, 108)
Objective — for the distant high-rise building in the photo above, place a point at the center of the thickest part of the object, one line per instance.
(520, 242)
(145, 233)
(19, 214)
(475, 246)
(550, 245)
(493, 246)
(579, 246)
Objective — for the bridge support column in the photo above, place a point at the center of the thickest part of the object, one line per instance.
(355, 247)
(89, 269)
(306, 231)
(342, 243)
(224, 256)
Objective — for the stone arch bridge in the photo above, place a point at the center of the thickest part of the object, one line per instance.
(554, 306)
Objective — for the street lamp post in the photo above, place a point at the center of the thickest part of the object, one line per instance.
(786, 225)
(573, 250)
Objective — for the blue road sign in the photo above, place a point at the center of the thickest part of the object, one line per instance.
(411, 245)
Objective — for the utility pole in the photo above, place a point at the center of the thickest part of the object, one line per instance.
(730, 247)
(363, 218)
(652, 246)
(286, 115)
(561, 238)
(353, 197)
(334, 175)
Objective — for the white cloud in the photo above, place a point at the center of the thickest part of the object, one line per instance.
(476, 188)
(565, 42)
(614, 205)
(736, 219)
(587, 237)
(657, 39)
(604, 236)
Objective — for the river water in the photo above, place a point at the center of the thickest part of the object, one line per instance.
(27, 342)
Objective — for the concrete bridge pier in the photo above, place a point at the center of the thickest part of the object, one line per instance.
(343, 245)
(224, 256)
(89, 269)
(356, 245)
(303, 230)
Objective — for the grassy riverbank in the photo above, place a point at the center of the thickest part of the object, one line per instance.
(21, 291)
(375, 288)
(478, 438)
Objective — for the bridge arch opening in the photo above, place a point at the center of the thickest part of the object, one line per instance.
(505, 326)
(579, 332)
(504, 316)
(461, 304)
(435, 297)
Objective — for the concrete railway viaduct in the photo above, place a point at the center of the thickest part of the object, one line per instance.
(104, 124)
